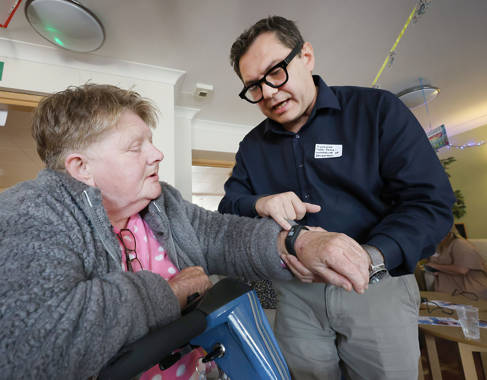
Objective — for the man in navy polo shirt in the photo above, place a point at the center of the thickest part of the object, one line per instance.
(357, 163)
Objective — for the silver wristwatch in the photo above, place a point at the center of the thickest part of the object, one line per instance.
(377, 269)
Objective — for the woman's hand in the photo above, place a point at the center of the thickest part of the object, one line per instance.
(299, 270)
(189, 281)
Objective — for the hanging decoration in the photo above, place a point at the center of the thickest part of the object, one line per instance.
(438, 136)
(467, 145)
(7, 10)
(439, 139)
(418, 10)
(421, 8)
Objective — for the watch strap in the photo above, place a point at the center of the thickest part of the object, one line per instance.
(377, 269)
(291, 237)
(376, 257)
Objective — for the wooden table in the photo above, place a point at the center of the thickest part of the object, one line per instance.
(466, 347)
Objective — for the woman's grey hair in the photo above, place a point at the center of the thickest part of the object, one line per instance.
(73, 119)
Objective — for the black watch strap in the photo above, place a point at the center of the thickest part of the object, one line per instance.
(291, 237)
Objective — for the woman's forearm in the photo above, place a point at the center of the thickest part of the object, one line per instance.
(450, 268)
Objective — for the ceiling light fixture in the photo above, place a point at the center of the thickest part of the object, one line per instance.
(66, 24)
(419, 95)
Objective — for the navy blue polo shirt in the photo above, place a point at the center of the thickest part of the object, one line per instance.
(364, 158)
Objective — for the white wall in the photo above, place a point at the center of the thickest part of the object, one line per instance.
(469, 175)
(197, 134)
(35, 68)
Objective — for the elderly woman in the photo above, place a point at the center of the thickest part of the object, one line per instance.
(96, 251)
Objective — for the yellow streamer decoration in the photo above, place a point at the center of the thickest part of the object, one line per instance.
(394, 46)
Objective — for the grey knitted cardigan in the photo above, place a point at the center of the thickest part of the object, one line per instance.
(66, 307)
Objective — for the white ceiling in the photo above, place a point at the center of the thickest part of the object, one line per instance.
(351, 39)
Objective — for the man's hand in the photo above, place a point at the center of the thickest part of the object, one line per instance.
(283, 207)
(189, 281)
(330, 257)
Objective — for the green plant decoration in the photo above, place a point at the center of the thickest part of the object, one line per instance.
(459, 208)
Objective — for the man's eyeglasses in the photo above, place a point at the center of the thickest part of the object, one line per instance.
(129, 244)
(275, 77)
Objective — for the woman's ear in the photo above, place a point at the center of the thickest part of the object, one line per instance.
(76, 165)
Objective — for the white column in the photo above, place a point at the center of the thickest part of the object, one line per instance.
(183, 150)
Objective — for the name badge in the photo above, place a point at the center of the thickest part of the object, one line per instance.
(328, 150)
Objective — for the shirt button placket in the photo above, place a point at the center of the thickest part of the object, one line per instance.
(299, 156)
(296, 141)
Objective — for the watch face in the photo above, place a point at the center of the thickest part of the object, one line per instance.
(377, 276)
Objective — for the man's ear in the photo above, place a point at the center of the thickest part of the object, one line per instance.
(308, 56)
(76, 165)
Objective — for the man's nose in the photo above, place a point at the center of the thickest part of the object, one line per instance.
(268, 91)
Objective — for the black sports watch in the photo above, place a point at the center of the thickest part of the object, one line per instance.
(291, 237)
(377, 269)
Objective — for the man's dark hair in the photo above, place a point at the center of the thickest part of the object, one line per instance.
(286, 31)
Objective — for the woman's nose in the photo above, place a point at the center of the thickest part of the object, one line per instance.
(156, 154)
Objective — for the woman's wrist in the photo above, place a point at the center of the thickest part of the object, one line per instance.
(281, 243)
(298, 242)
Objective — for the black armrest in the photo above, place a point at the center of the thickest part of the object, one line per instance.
(224, 291)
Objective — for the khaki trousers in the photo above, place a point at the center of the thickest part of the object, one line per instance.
(325, 331)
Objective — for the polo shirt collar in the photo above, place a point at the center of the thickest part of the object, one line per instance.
(326, 99)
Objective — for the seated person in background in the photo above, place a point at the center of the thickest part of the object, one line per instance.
(459, 266)
(96, 251)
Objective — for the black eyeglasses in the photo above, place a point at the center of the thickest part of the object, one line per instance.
(470, 295)
(275, 77)
(129, 244)
(432, 306)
